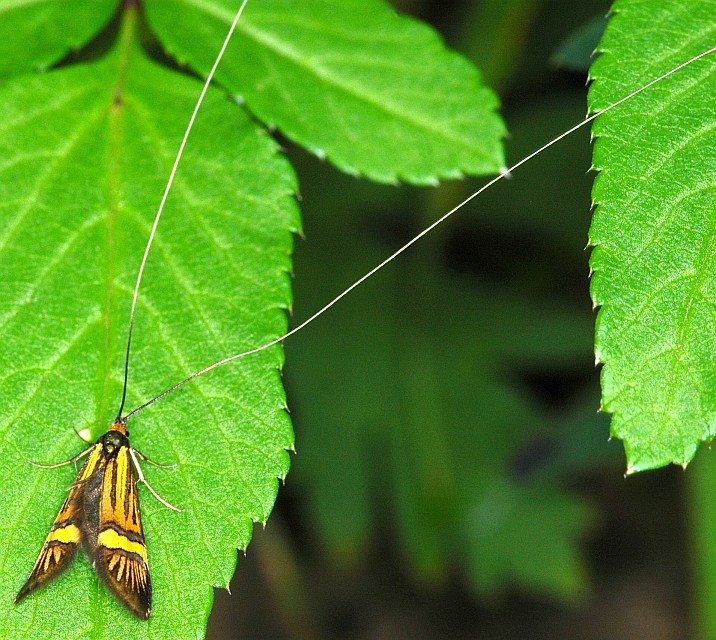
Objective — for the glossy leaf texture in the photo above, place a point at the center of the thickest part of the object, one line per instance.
(85, 152)
(653, 230)
(376, 94)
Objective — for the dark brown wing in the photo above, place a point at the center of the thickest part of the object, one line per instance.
(66, 532)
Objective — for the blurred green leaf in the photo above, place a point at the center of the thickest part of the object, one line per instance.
(376, 94)
(34, 35)
(527, 535)
(577, 51)
(654, 260)
(493, 35)
(701, 517)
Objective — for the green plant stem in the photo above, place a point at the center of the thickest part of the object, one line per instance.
(701, 483)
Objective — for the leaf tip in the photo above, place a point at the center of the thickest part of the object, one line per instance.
(432, 182)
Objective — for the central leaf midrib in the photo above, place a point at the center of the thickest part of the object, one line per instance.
(128, 45)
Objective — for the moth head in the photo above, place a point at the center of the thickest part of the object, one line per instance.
(114, 439)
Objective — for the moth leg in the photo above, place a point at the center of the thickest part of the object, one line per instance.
(141, 478)
(74, 460)
(144, 458)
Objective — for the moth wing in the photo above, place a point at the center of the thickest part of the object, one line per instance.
(65, 534)
(120, 555)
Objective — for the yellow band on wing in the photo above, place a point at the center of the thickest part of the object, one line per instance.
(68, 534)
(110, 539)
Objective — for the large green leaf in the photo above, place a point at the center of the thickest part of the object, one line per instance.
(85, 153)
(377, 94)
(654, 259)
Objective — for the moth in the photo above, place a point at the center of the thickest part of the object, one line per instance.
(101, 512)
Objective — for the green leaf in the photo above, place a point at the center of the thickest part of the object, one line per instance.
(85, 152)
(654, 259)
(35, 35)
(577, 51)
(493, 35)
(377, 94)
(546, 560)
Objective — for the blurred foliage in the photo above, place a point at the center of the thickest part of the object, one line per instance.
(439, 405)
(578, 50)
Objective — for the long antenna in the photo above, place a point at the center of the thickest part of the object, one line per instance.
(424, 232)
(160, 210)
